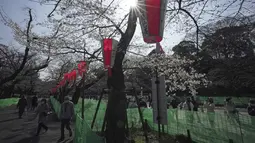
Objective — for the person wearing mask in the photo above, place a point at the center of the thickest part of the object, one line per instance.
(22, 105)
(210, 106)
(42, 112)
(34, 102)
(251, 111)
(66, 114)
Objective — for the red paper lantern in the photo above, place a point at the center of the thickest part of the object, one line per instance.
(82, 68)
(73, 75)
(66, 76)
(62, 82)
(152, 19)
(109, 51)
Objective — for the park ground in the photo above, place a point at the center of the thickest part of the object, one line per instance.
(14, 130)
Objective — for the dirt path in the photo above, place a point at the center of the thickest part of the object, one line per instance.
(14, 130)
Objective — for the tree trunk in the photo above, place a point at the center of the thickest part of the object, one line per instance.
(117, 103)
(116, 114)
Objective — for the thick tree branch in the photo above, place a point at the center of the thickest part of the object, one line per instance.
(125, 39)
(119, 25)
(13, 76)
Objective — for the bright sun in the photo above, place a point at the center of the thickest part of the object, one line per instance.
(132, 3)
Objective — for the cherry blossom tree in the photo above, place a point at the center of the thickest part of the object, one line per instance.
(178, 71)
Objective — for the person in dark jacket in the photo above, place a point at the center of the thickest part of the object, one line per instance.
(66, 114)
(142, 103)
(195, 103)
(42, 111)
(174, 103)
(34, 102)
(251, 111)
(22, 105)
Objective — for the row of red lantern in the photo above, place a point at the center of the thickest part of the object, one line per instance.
(71, 76)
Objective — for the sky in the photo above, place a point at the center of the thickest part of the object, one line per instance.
(15, 9)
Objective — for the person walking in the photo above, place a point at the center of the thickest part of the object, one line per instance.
(251, 111)
(187, 105)
(174, 103)
(34, 102)
(195, 101)
(22, 105)
(231, 110)
(42, 111)
(29, 103)
(66, 114)
(210, 107)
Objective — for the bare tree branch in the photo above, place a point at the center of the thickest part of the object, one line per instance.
(55, 7)
(13, 76)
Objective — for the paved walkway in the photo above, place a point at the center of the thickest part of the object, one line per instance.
(14, 130)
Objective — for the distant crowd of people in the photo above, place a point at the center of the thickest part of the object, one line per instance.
(193, 103)
(42, 110)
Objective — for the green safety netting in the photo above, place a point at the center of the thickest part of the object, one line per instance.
(8, 102)
(204, 127)
(221, 100)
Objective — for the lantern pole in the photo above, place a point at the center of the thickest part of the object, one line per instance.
(157, 88)
(83, 86)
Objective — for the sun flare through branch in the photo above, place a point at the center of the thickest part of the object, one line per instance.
(132, 3)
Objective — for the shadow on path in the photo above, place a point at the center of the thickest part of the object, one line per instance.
(29, 140)
(10, 137)
(8, 120)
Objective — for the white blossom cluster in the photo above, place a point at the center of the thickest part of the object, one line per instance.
(178, 72)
